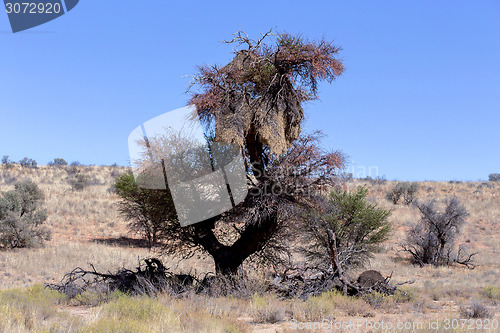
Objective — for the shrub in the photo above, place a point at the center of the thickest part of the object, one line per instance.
(403, 190)
(431, 240)
(395, 194)
(79, 181)
(409, 193)
(6, 162)
(58, 162)
(492, 292)
(476, 310)
(487, 185)
(494, 177)
(28, 163)
(265, 309)
(21, 217)
(359, 227)
(146, 209)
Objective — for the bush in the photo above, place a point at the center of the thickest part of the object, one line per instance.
(6, 162)
(265, 309)
(487, 185)
(492, 292)
(476, 310)
(28, 163)
(359, 227)
(403, 190)
(494, 177)
(146, 209)
(431, 240)
(79, 181)
(21, 218)
(58, 162)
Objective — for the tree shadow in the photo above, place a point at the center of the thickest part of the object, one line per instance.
(124, 242)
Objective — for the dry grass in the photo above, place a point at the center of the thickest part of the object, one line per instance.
(84, 225)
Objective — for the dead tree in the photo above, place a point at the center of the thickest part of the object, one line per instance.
(150, 278)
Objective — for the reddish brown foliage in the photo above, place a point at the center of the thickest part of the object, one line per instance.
(259, 93)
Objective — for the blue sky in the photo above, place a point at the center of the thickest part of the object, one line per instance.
(419, 100)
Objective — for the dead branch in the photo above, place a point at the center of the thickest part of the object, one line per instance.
(149, 278)
(465, 259)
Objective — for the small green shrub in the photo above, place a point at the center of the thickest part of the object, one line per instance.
(96, 297)
(359, 226)
(149, 211)
(265, 310)
(404, 296)
(31, 305)
(375, 299)
(21, 217)
(492, 292)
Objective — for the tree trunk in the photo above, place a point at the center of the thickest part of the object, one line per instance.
(229, 258)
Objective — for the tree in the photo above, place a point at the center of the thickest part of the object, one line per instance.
(255, 102)
(431, 240)
(28, 163)
(494, 177)
(7, 162)
(21, 217)
(358, 226)
(149, 211)
(403, 190)
(57, 162)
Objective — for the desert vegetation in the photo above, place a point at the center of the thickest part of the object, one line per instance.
(21, 217)
(99, 234)
(306, 246)
(402, 191)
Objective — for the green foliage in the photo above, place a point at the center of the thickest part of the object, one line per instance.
(22, 310)
(28, 163)
(265, 310)
(402, 190)
(494, 177)
(149, 211)
(492, 292)
(21, 217)
(37, 309)
(134, 314)
(359, 226)
(57, 162)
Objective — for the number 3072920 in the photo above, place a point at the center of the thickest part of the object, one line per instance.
(32, 8)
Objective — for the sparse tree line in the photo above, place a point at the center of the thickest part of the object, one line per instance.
(31, 163)
(77, 177)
